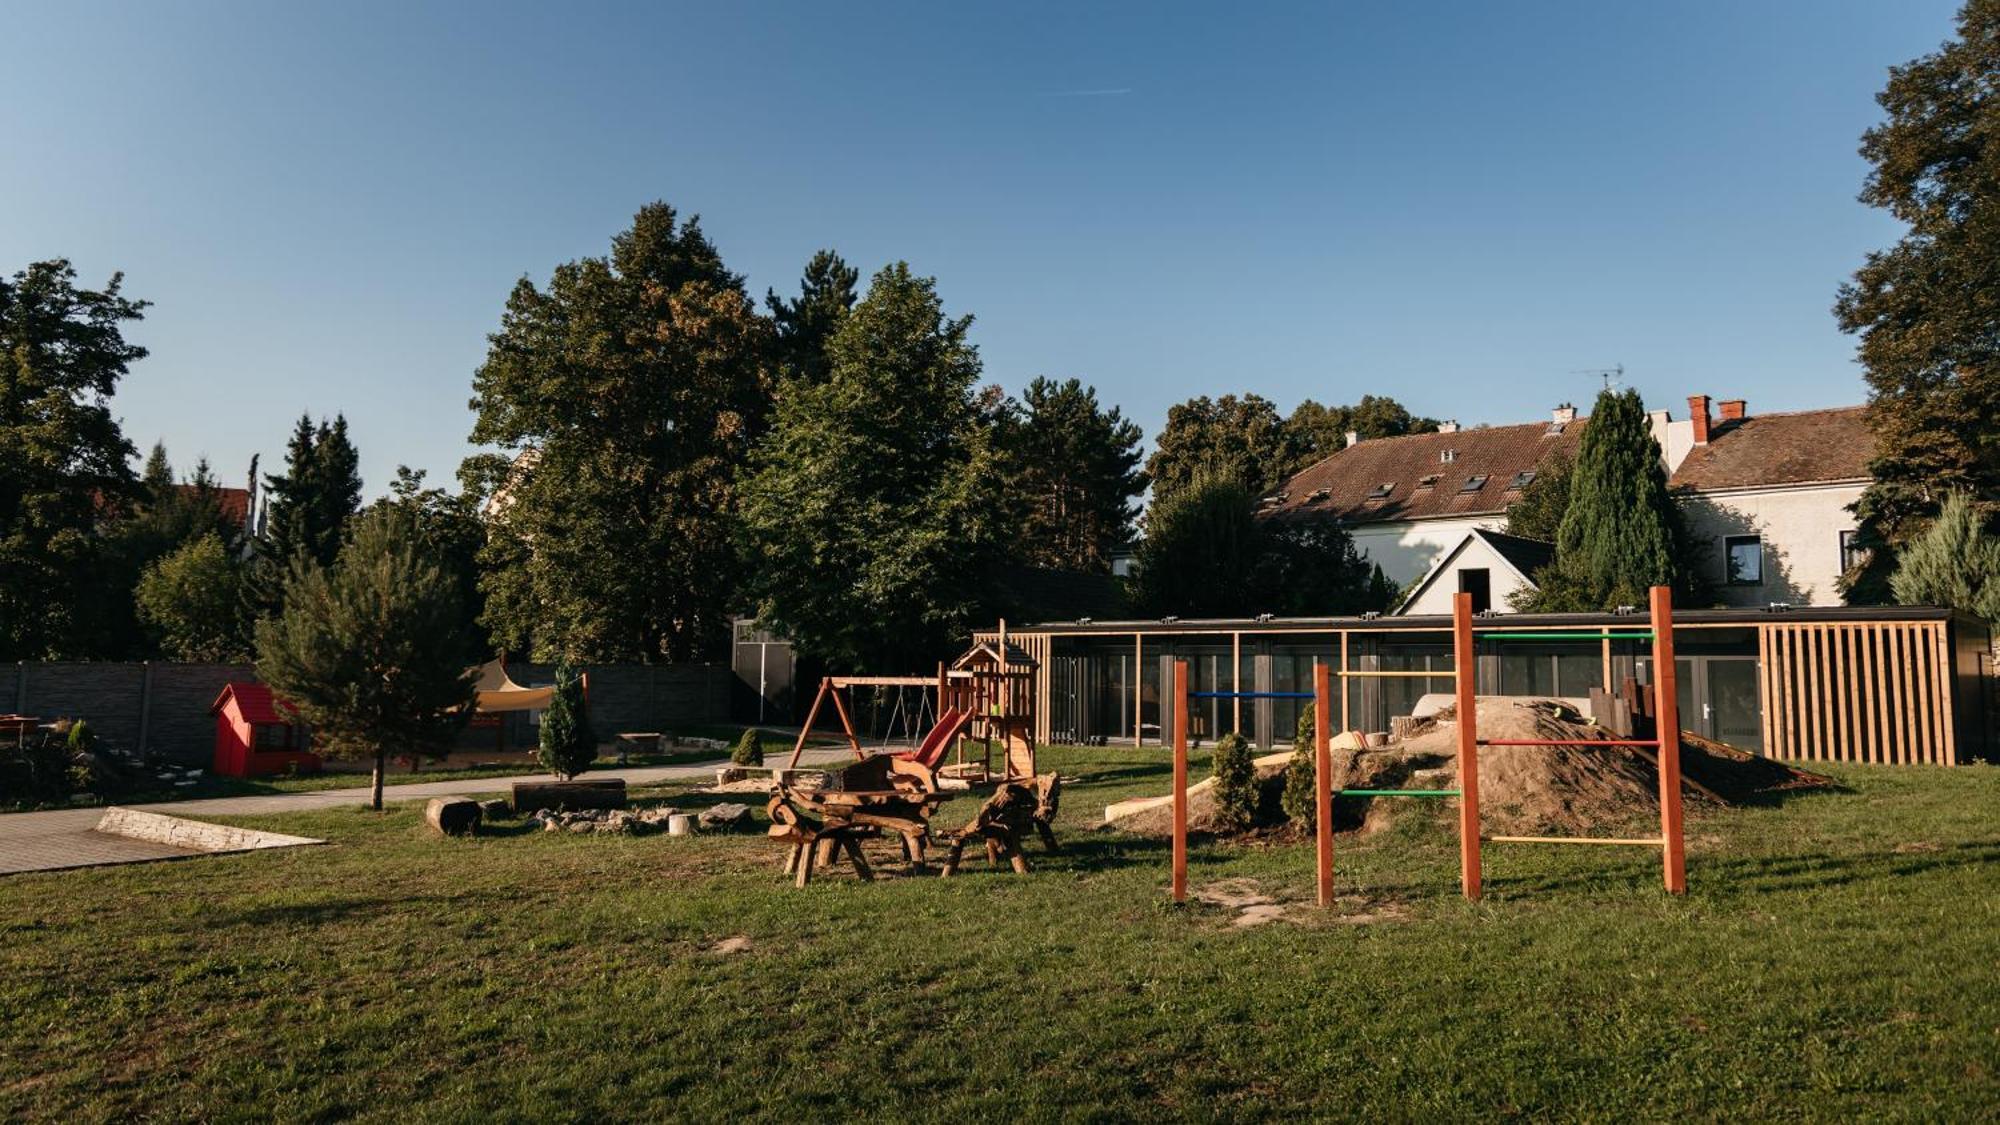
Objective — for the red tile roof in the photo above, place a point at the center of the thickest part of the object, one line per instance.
(234, 502)
(1800, 447)
(1351, 476)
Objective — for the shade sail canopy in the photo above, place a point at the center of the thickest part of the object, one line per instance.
(499, 693)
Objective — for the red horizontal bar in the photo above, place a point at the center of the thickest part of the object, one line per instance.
(1567, 742)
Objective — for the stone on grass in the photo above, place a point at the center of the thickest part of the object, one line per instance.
(453, 816)
(724, 817)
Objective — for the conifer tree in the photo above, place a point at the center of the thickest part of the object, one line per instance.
(366, 649)
(1620, 532)
(803, 326)
(1074, 468)
(1955, 563)
(1235, 782)
(568, 744)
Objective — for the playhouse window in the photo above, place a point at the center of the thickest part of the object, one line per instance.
(271, 737)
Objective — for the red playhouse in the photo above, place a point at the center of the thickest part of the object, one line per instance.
(256, 735)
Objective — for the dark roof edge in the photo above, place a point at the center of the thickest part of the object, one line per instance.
(1744, 617)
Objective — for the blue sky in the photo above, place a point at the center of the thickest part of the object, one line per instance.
(1461, 205)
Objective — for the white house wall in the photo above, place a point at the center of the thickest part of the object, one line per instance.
(1800, 527)
(1504, 580)
(1406, 550)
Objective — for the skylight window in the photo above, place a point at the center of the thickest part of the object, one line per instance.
(1473, 483)
(1428, 482)
(1382, 491)
(1521, 480)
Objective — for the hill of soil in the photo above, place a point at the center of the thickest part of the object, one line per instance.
(1522, 789)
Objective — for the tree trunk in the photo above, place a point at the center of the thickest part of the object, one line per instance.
(381, 765)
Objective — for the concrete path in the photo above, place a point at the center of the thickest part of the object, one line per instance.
(59, 838)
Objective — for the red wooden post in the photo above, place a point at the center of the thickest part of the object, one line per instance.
(1180, 779)
(1666, 694)
(1466, 666)
(1323, 778)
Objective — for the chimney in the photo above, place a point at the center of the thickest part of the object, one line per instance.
(1698, 411)
(1563, 415)
(1353, 438)
(1450, 427)
(1732, 409)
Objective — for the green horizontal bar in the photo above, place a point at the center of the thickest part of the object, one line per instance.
(1562, 636)
(1401, 793)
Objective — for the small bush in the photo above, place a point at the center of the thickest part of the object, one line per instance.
(1235, 782)
(1299, 801)
(568, 745)
(1302, 735)
(82, 739)
(749, 749)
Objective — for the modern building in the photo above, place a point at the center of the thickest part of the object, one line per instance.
(1893, 685)
(1766, 499)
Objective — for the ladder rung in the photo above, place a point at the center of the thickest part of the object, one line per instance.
(1647, 841)
(1569, 742)
(1402, 793)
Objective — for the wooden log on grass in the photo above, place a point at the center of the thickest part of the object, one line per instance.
(600, 793)
(453, 816)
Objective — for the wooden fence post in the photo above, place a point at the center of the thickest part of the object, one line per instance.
(1180, 780)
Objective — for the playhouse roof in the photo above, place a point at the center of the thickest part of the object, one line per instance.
(255, 702)
(987, 650)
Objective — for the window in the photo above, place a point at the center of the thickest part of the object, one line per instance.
(271, 738)
(1852, 553)
(1473, 483)
(1521, 480)
(1743, 557)
(1382, 491)
(1428, 482)
(1477, 581)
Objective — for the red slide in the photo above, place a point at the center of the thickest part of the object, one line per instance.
(931, 754)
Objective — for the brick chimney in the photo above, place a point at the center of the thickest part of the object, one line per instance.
(1563, 415)
(1698, 411)
(1732, 409)
(1450, 427)
(1353, 438)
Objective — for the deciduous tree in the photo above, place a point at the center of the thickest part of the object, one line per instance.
(1927, 309)
(626, 392)
(1241, 438)
(192, 601)
(1537, 512)
(62, 454)
(366, 649)
(1313, 432)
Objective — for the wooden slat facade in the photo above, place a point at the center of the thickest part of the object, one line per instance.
(1875, 692)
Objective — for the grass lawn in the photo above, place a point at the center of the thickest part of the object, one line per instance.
(1835, 960)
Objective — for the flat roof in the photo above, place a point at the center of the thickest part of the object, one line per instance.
(1744, 618)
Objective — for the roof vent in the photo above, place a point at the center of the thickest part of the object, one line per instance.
(1447, 456)
(1353, 438)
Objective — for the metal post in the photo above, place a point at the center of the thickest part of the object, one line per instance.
(1668, 727)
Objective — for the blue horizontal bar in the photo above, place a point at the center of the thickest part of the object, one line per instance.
(1250, 695)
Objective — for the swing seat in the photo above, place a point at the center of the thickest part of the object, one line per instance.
(937, 743)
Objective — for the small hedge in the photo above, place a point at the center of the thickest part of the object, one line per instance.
(749, 749)
(1235, 782)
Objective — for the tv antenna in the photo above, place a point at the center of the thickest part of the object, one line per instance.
(1613, 375)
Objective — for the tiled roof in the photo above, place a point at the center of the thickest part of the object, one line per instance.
(234, 502)
(1772, 449)
(1348, 484)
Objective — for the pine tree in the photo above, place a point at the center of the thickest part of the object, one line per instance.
(62, 456)
(1620, 532)
(308, 509)
(1923, 308)
(1074, 466)
(366, 650)
(802, 327)
(873, 502)
(1955, 563)
(568, 744)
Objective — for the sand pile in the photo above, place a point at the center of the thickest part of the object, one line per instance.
(1523, 789)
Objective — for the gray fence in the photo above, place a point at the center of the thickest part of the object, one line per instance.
(162, 708)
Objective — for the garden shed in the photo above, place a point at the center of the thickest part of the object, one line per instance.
(256, 734)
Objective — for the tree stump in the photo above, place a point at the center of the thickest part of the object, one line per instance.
(453, 816)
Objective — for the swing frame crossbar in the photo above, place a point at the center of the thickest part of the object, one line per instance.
(1465, 677)
(1393, 674)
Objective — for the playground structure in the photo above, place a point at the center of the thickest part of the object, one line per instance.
(1664, 748)
(985, 707)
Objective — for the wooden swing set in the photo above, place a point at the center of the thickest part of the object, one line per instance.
(1665, 747)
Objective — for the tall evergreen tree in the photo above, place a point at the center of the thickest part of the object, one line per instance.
(872, 503)
(627, 391)
(1074, 468)
(1239, 438)
(366, 649)
(307, 508)
(448, 528)
(1925, 308)
(62, 455)
(803, 326)
(1620, 532)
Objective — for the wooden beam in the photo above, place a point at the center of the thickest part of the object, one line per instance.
(1669, 731)
(1468, 746)
(1323, 780)
(1180, 688)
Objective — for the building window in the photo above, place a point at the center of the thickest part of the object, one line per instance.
(1473, 483)
(1743, 560)
(271, 738)
(1477, 581)
(1852, 553)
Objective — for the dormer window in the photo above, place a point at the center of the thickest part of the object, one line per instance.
(1521, 480)
(1382, 491)
(1473, 483)
(1428, 482)
(1319, 495)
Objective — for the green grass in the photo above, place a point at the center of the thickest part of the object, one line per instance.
(1834, 960)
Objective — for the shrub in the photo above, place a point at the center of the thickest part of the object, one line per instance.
(1299, 801)
(568, 745)
(749, 749)
(1303, 734)
(82, 739)
(1235, 782)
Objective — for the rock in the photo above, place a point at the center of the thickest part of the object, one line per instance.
(724, 817)
(495, 809)
(729, 775)
(453, 816)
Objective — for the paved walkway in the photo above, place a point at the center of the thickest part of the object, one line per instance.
(58, 838)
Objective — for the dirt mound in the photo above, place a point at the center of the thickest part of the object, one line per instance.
(1522, 789)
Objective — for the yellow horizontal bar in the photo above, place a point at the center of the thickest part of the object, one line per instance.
(1371, 675)
(1649, 842)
